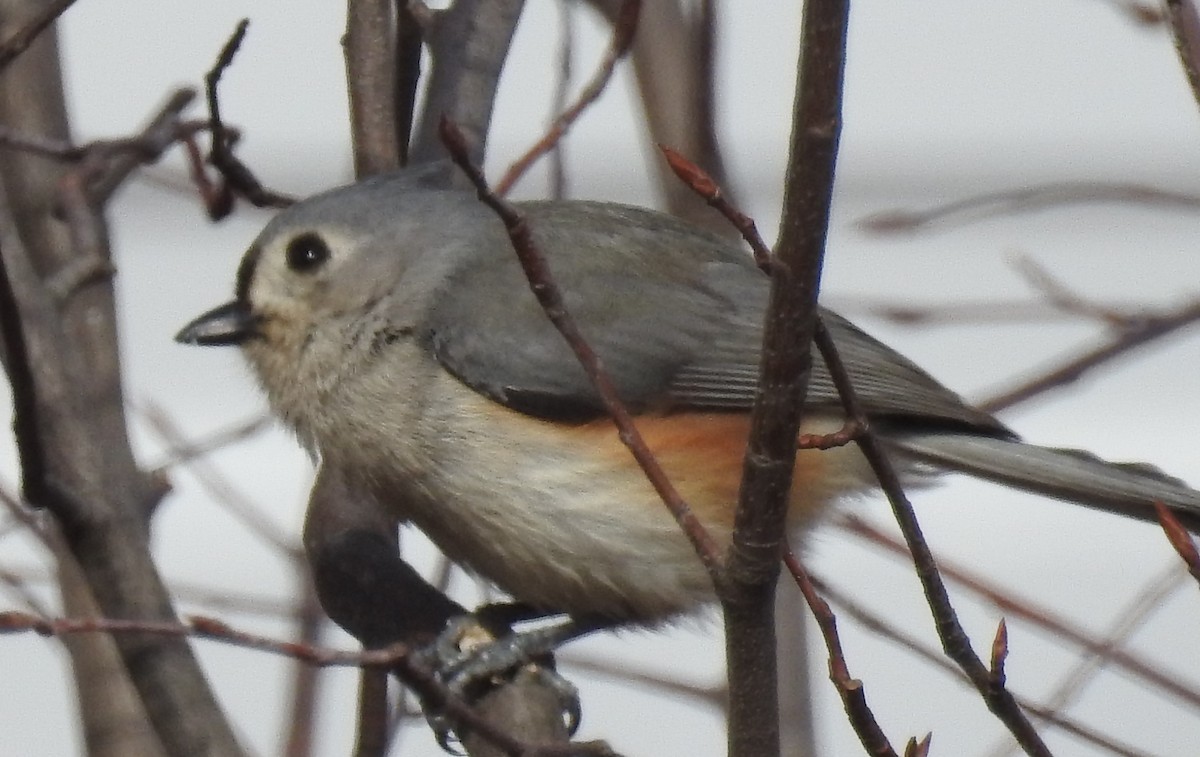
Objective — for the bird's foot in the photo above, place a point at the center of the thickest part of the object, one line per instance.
(468, 660)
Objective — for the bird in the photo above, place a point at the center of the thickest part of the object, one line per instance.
(391, 327)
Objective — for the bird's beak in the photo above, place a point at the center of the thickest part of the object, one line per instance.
(229, 324)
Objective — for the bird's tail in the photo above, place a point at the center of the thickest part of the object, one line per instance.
(1126, 488)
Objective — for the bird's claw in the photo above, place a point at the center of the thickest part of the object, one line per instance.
(467, 659)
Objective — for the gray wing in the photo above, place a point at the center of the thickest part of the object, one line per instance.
(675, 315)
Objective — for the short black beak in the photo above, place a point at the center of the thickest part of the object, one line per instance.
(230, 324)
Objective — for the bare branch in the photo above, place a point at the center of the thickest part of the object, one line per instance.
(954, 639)
(468, 43)
(748, 595)
(19, 41)
(370, 51)
(1139, 333)
(551, 300)
(236, 174)
(624, 29)
(1185, 28)
(854, 698)
(1039, 615)
(935, 658)
(1180, 539)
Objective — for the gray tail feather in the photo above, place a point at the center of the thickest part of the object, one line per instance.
(1073, 475)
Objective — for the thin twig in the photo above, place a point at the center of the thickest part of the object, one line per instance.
(188, 451)
(703, 184)
(235, 172)
(1042, 617)
(237, 504)
(1181, 540)
(854, 698)
(395, 657)
(882, 627)
(1185, 29)
(954, 639)
(1130, 618)
(1143, 331)
(1024, 200)
(624, 29)
(551, 300)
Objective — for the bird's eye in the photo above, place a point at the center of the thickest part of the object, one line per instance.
(306, 253)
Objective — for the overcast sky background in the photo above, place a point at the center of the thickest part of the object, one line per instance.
(943, 100)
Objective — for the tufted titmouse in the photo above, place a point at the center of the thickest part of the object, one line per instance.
(390, 325)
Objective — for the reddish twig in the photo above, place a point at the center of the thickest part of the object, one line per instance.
(854, 699)
(395, 657)
(849, 432)
(703, 184)
(623, 32)
(551, 300)
(999, 655)
(1180, 539)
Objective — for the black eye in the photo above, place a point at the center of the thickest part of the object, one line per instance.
(306, 253)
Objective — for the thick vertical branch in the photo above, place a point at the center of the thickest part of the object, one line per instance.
(673, 62)
(468, 43)
(78, 435)
(758, 541)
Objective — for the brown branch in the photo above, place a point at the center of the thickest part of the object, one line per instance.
(1181, 540)
(883, 628)
(854, 698)
(954, 639)
(236, 174)
(703, 184)
(396, 657)
(550, 298)
(19, 41)
(467, 44)
(1185, 29)
(309, 621)
(748, 594)
(373, 728)
(101, 498)
(624, 29)
(1038, 615)
(371, 81)
(1140, 332)
(1023, 200)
